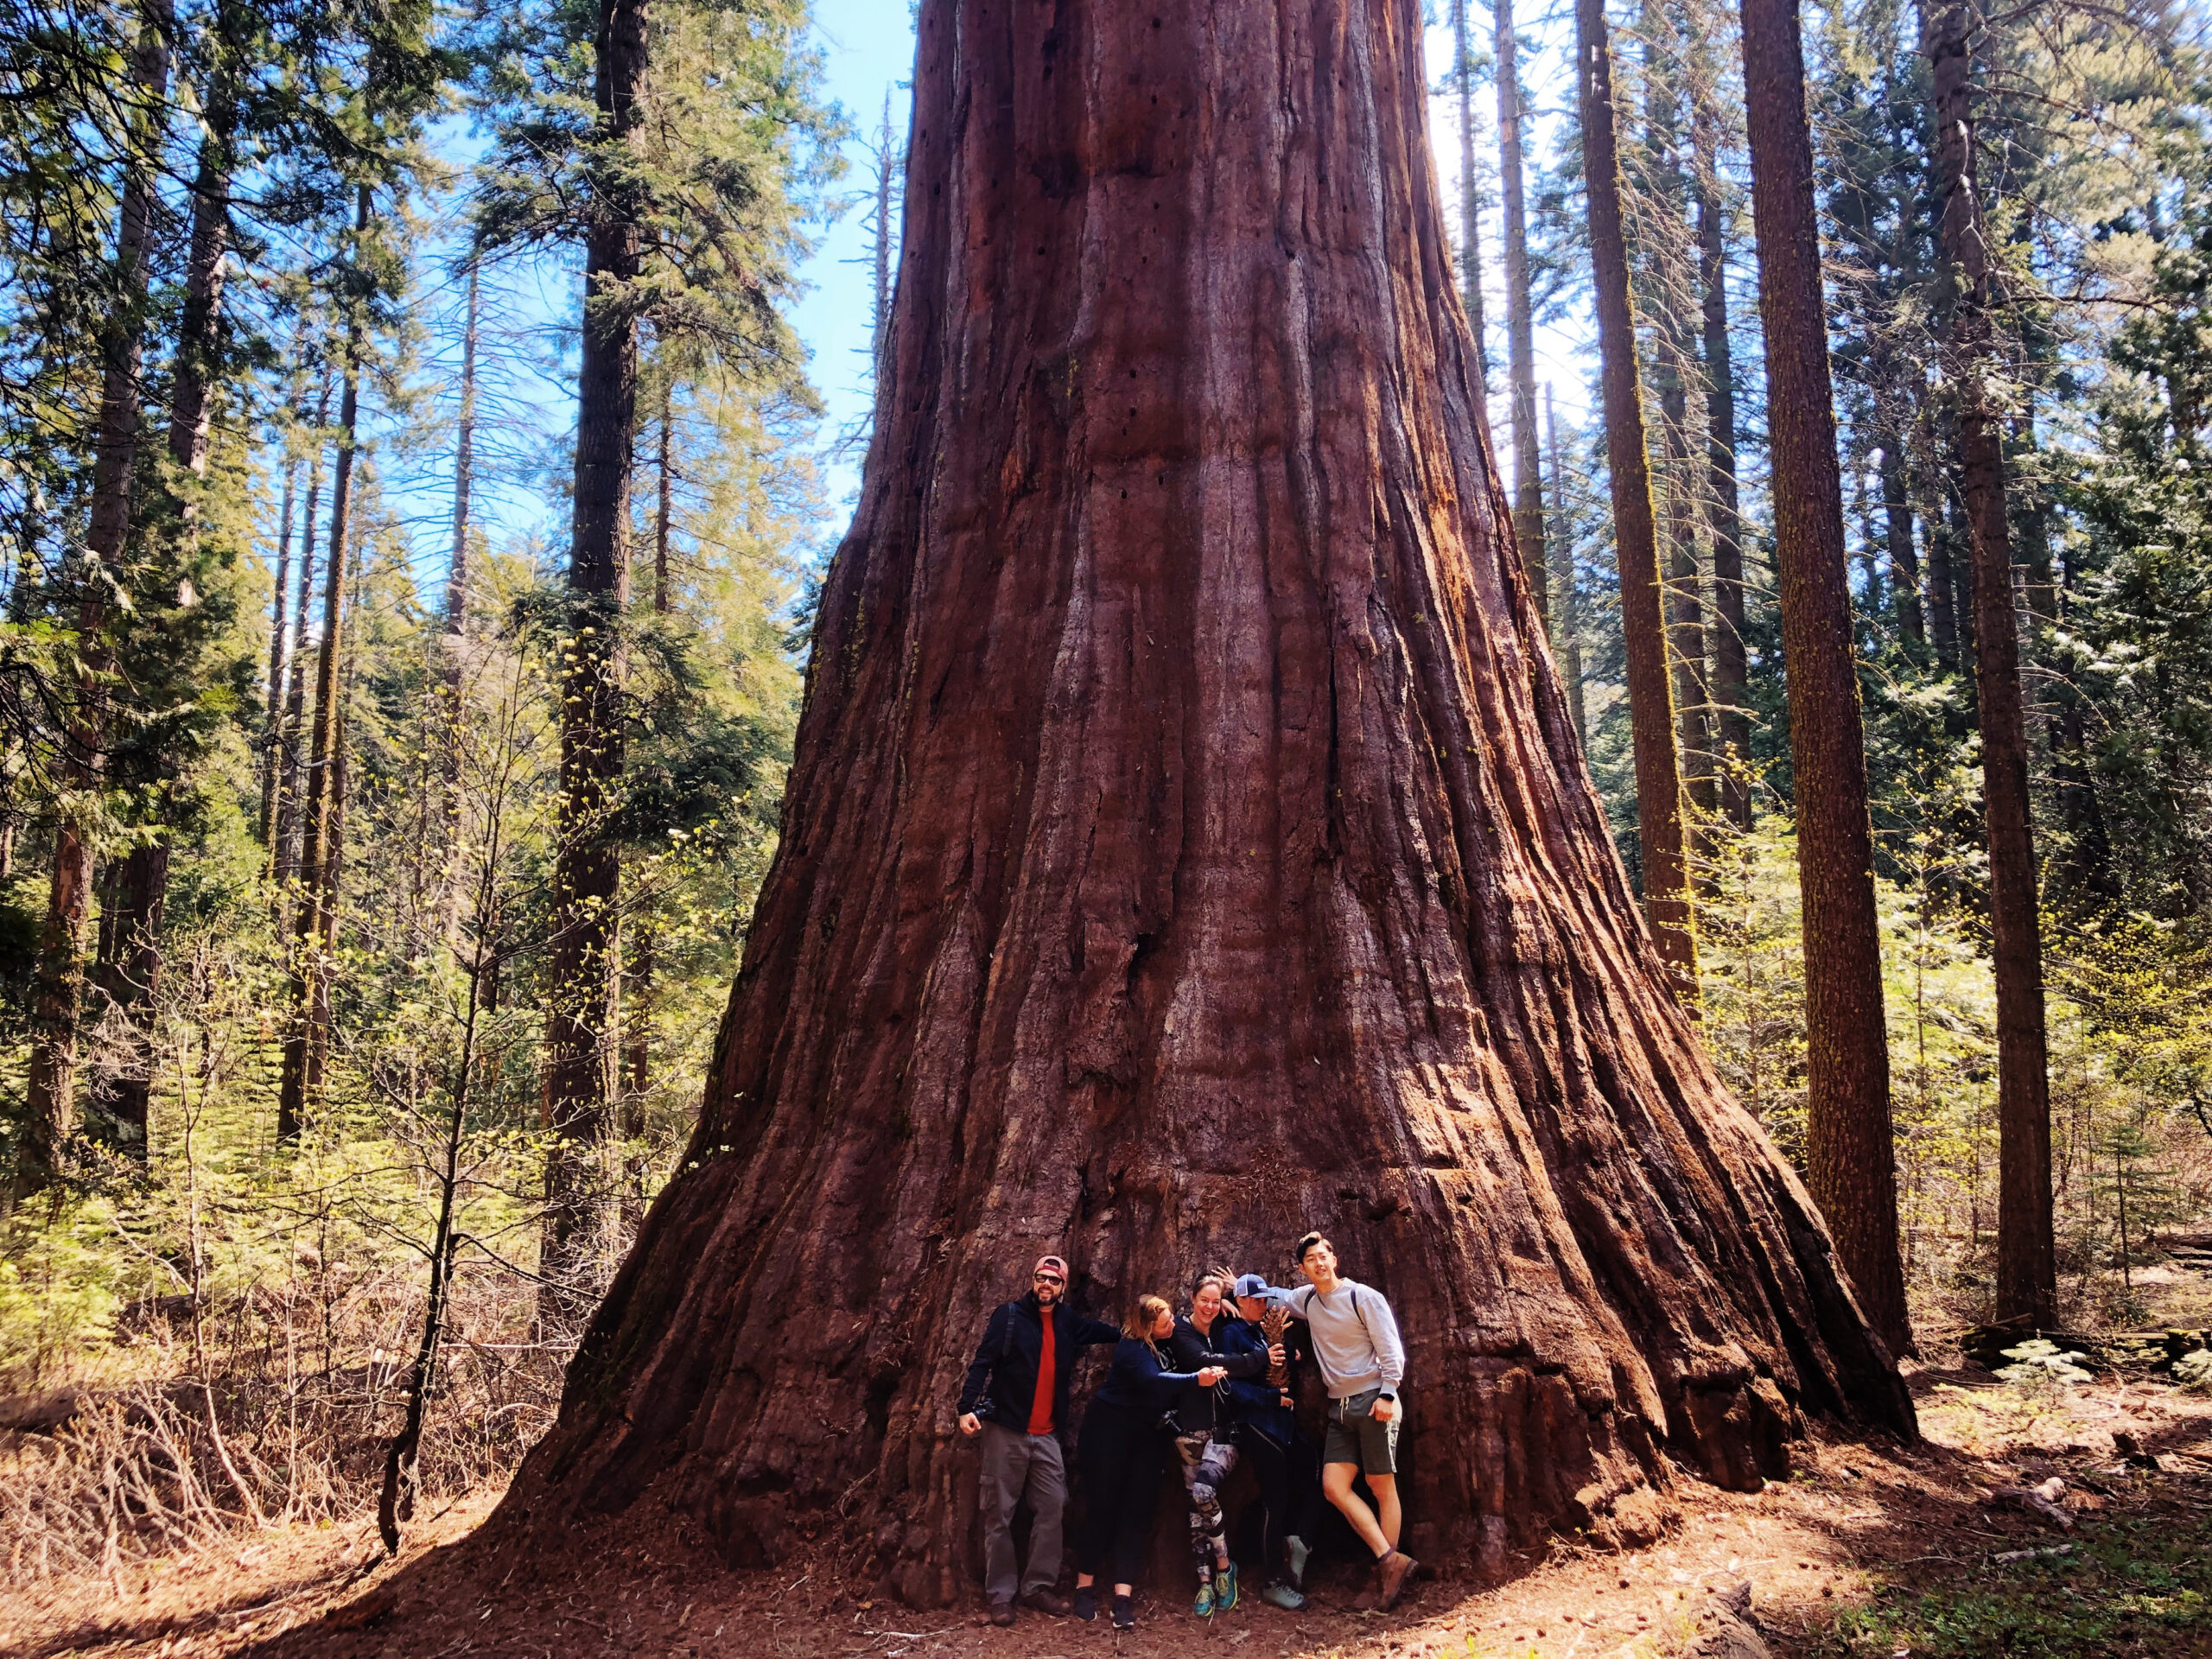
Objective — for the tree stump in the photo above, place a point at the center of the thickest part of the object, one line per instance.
(1187, 844)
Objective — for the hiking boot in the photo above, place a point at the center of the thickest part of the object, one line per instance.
(1048, 1602)
(1001, 1613)
(1086, 1602)
(1225, 1587)
(1281, 1595)
(1390, 1576)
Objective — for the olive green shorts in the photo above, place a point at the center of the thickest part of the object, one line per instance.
(1355, 1437)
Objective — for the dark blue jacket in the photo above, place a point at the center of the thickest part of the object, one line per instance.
(1002, 1378)
(1138, 1381)
(1257, 1404)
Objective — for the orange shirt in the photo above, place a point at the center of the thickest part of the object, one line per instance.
(1040, 1409)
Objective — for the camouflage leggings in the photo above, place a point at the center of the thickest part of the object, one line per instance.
(1206, 1464)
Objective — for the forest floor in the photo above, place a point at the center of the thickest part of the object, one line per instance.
(1866, 1550)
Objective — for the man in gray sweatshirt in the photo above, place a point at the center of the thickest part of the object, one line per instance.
(1363, 1362)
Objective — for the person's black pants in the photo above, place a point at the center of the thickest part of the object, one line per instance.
(1290, 1490)
(1119, 1457)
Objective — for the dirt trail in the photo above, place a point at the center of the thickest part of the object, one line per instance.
(1866, 1550)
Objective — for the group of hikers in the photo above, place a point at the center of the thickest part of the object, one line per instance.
(1216, 1386)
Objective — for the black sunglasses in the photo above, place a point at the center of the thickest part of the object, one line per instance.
(1047, 1278)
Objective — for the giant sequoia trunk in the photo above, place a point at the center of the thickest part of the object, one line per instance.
(1187, 843)
(1849, 1151)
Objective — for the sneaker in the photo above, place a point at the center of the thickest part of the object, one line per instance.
(1003, 1613)
(1125, 1615)
(1086, 1602)
(1048, 1602)
(1282, 1596)
(1225, 1587)
(1298, 1551)
(1390, 1578)
(1202, 1607)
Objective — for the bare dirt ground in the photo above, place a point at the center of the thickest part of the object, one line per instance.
(1866, 1550)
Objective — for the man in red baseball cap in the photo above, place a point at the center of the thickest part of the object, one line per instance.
(1016, 1397)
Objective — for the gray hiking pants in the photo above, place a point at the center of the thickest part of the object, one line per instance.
(1018, 1465)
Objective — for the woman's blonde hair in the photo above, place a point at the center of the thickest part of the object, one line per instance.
(1145, 1315)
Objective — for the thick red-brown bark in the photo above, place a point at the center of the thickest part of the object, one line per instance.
(1187, 844)
(2026, 1260)
(1849, 1154)
(1636, 543)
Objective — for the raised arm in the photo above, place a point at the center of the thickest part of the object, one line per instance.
(1095, 1334)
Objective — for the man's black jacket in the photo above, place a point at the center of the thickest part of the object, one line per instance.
(1003, 1378)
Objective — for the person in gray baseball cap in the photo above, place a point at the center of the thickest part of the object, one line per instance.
(1264, 1414)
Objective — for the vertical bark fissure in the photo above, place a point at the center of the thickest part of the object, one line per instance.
(1850, 1157)
(1651, 714)
(2026, 1259)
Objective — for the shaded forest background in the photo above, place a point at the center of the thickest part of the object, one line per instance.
(375, 857)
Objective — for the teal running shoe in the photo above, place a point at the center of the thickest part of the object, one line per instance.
(1225, 1587)
(1202, 1607)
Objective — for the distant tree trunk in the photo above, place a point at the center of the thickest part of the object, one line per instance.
(1904, 563)
(581, 1031)
(1849, 1151)
(285, 831)
(1220, 866)
(1651, 698)
(1520, 319)
(886, 173)
(307, 1031)
(452, 649)
(1685, 599)
(1569, 615)
(279, 658)
(57, 994)
(2026, 1260)
(128, 973)
(1723, 517)
(1942, 582)
(1471, 218)
(638, 1022)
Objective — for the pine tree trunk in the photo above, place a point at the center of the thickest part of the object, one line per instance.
(307, 1031)
(1723, 517)
(1561, 544)
(453, 646)
(1850, 1153)
(1904, 563)
(133, 979)
(1650, 697)
(279, 658)
(582, 1034)
(1471, 219)
(1187, 844)
(57, 992)
(1685, 598)
(1942, 582)
(1520, 319)
(284, 827)
(2026, 1261)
